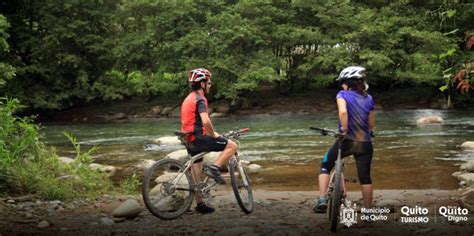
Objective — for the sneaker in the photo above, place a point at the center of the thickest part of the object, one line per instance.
(214, 172)
(203, 208)
(321, 205)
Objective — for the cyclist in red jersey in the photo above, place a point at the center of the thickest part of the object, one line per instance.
(202, 137)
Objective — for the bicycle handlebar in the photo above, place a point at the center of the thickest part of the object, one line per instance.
(325, 132)
(236, 134)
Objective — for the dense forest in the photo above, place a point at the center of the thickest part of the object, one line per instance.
(56, 54)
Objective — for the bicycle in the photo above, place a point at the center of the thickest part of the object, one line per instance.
(168, 186)
(337, 189)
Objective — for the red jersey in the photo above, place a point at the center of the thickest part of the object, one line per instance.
(194, 104)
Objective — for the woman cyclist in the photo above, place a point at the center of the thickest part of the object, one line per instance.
(356, 122)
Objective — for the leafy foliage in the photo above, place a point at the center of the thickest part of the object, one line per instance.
(65, 52)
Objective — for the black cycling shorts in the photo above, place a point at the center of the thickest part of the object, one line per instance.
(362, 151)
(204, 143)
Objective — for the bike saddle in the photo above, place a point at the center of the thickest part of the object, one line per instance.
(182, 136)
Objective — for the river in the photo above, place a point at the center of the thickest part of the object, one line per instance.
(406, 156)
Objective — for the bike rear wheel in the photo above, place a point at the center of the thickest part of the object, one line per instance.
(167, 190)
(241, 185)
(335, 201)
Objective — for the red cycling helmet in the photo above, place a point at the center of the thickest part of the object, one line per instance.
(199, 75)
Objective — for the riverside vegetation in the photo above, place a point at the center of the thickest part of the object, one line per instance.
(27, 166)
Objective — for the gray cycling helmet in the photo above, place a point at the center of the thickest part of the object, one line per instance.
(351, 72)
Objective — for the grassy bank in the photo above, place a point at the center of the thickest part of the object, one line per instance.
(27, 166)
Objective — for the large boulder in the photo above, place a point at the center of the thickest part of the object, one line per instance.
(467, 145)
(156, 110)
(468, 166)
(166, 111)
(180, 155)
(167, 177)
(129, 209)
(211, 157)
(429, 120)
(468, 179)
(171, 202)
(169, 140)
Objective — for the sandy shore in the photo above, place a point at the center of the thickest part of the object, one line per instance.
(275, 213)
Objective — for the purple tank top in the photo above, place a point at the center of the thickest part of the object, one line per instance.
(358, 109)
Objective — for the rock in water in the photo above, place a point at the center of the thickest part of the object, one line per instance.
(467, 145)
(429, 120)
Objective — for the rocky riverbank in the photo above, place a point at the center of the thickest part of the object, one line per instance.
(275, 213)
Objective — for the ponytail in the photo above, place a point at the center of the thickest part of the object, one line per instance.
(357, 85)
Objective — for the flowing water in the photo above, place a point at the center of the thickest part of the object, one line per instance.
(406, 156)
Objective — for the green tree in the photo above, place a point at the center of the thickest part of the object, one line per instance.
(7, 71)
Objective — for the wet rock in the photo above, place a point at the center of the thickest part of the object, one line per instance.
(106, 221)
(43, 224)
(467, 145)
(217, 114)
(168, 140)
(468, 166)
(11, 201)
(456, 174)
(468, 178)
(129, 209)
(156, 110)
(429, 120)
(116, 116)
(180, 155)
(166, 111)
(254, 167)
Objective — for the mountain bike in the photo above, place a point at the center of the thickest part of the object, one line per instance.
(168, 186)
(337, 189)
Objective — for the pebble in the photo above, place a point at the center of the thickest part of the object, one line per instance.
(106, 221)
(11, 201)
(43, 224)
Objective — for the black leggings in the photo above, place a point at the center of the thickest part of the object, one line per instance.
(362, 151)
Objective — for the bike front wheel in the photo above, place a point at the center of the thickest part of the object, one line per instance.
(335, 201)
(241, 185)
(167, 189)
